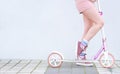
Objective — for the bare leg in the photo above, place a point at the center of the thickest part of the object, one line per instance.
(94, 17)
(87, 25)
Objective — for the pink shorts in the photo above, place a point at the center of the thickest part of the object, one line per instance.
(83, 5)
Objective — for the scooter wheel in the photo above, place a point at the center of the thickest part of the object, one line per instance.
(55, 60)
(107, 63)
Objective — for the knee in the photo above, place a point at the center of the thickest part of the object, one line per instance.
(100, 24)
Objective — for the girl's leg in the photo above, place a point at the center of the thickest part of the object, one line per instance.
(93, 15)
(87, 25)
(89, 32)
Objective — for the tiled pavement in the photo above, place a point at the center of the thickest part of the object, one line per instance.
(24, 66)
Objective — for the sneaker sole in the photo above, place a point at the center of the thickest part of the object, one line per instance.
(82, 64)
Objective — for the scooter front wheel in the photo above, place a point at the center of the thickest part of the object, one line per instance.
(107, 62)
(55, 60)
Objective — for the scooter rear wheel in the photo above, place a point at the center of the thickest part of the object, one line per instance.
(55, 60)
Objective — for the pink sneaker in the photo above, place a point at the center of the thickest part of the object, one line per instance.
(82, 56)
(79, 49)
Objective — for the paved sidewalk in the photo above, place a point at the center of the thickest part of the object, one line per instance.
(30, 66)
(72, 68)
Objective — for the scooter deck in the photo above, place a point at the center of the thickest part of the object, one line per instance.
(88, 60)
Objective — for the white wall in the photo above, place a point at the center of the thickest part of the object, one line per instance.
(31, 29)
